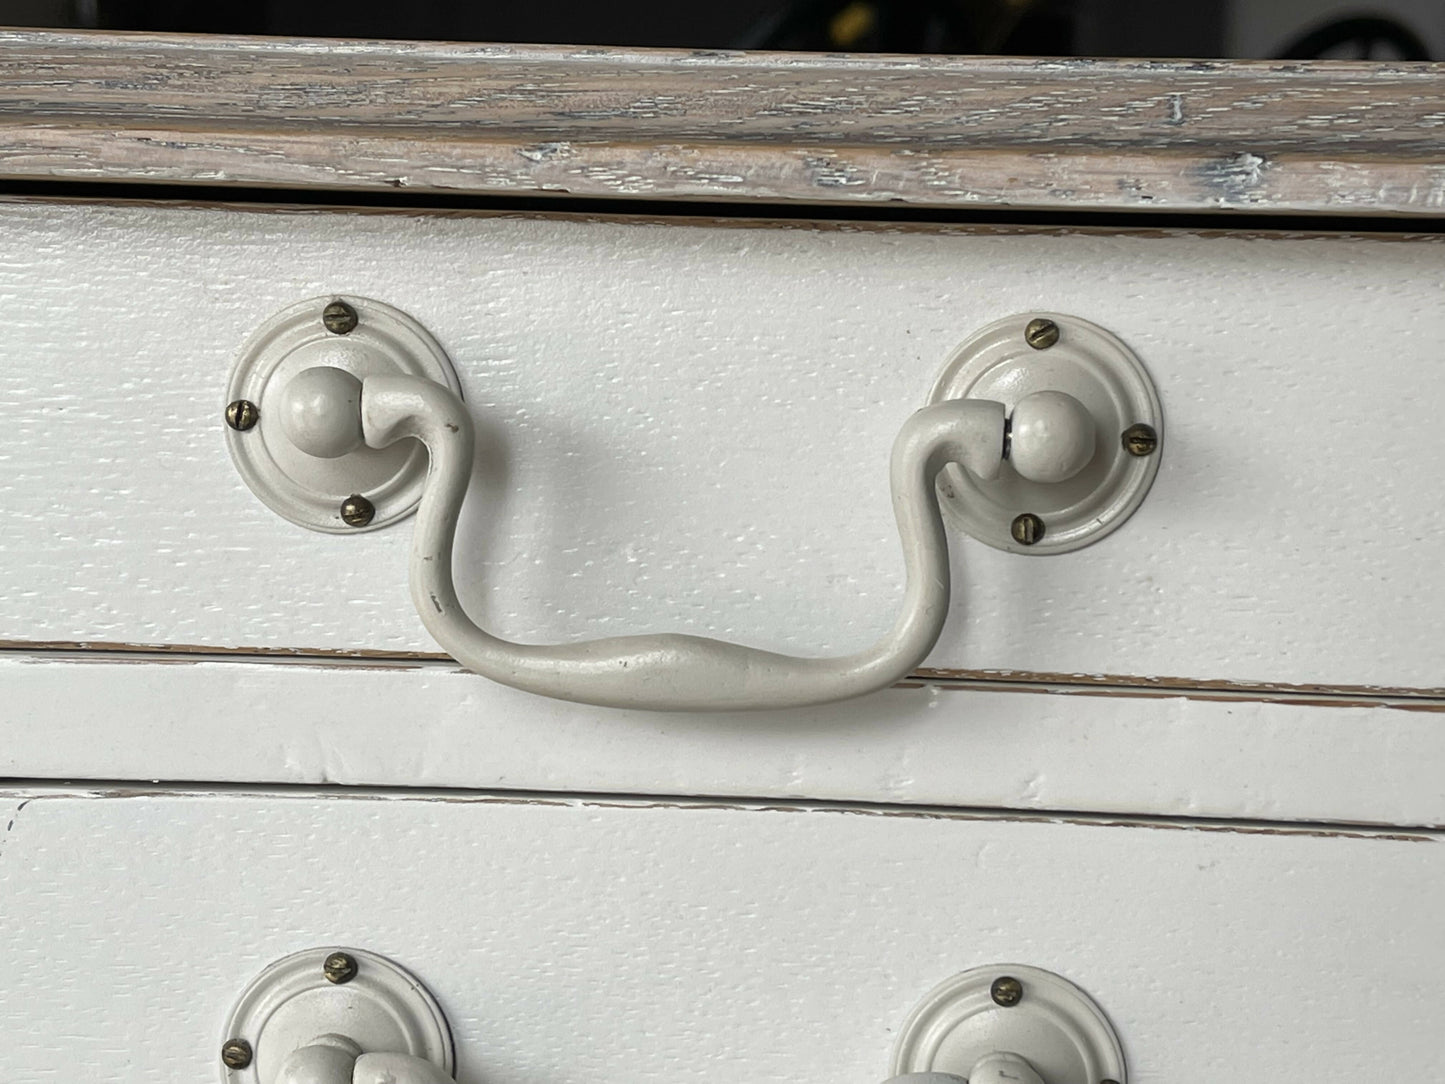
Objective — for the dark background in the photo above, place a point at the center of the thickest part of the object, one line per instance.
(1393, 29)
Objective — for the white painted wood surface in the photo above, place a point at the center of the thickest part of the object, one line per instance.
(612, 944)
(687, 426)
(1052, 748)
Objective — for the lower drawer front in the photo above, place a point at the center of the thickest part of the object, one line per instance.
(612, 942)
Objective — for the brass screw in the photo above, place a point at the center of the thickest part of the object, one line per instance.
(1006, 991)
(1140, 439)
(1026, 529)
(339, 968)
(1041, 333)
(242, 415)
(357, 511)
(236, 1053)
(339, 318)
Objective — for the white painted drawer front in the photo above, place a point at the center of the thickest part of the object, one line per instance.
(687, 428)
(625, 944)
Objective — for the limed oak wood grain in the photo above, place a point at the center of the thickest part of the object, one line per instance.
(1333, 137)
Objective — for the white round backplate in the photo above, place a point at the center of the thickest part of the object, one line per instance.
(1094, 367)
(1055, 1026)
(291, 1004)
(306, 489)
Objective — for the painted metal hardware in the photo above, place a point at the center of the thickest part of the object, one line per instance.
(327, 1016)
(352, 1017)
(339, 342)
(1010, 362)
(348, 420)
(989, 1069)
(1008, 1024)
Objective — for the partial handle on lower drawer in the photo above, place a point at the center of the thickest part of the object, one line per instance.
(353, 1017)
(335, 1059)
(996, 1068)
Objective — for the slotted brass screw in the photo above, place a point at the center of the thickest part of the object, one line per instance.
(357, 511)
(1026, 529)
(339, 968)
(1041, 333)
(236, 1053)
(1006, 991)
(1140, 439)
(339, 318)
(242, 415)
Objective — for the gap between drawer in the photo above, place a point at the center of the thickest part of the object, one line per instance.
(242, 720)
(23, 791)
(812, 217)
(1123, 685)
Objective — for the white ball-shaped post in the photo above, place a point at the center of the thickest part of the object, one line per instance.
(1052, 437)
(328, 1059)
(321, 412)
(1004, 1068)
(397, 1069)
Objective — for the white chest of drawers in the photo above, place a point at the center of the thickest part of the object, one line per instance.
(1194, 767)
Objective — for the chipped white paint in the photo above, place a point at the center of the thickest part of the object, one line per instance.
(641, 944)
(935, 131)
(89, 716)
(686, 428)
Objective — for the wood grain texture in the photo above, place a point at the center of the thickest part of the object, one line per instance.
(687, 428)
(1331, 137)
(430, 725)
(632, 944)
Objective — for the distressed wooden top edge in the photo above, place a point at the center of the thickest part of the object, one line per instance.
(1320, 137)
